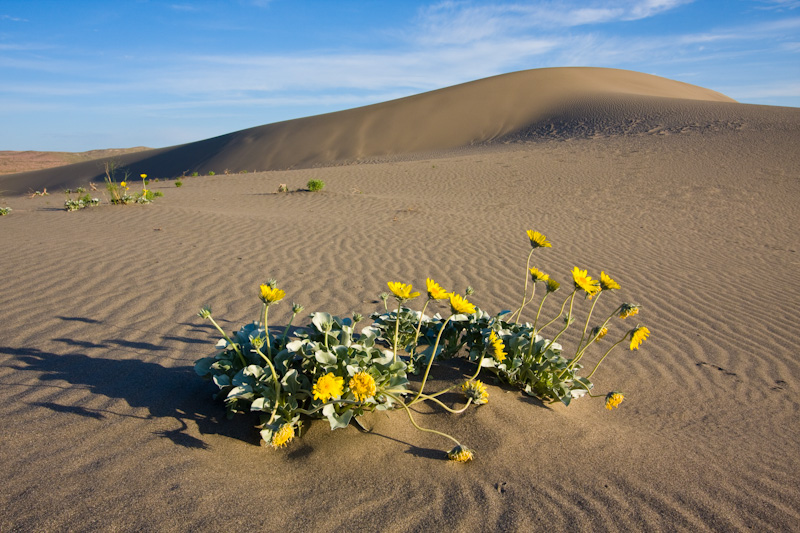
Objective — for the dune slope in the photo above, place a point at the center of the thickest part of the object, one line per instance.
(478, 112)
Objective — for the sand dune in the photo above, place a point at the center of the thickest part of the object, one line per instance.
(488, 110)
(691, 205)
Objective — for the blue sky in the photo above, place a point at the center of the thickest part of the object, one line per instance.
(78, 75)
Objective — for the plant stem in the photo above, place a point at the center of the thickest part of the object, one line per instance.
(518, 312)
(448, 389)
(397, 327)
(604, 356)
(433, 356)
(443, 406)
(235, 347)
(277, 383)
(419, 325)
(408, 411)
(286, 331)
(566, 325)
(559, 313)
(588, 318)
(266, 330)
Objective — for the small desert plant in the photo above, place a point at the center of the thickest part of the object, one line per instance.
(120, 193)
(194, 174)
(43, 192)
(4, 211)
(315, 185)
(79, 202)
(211, 173)
(328, 370)
(283, 188)
(179, 183)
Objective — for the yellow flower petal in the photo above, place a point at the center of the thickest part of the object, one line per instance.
(538, 240)
(402, 291)
(460, 305)
(638, 336)
(327, 387)
(435, 292)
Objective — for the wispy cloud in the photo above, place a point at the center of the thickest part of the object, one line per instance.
(12, 19)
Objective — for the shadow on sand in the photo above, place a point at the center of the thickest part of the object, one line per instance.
(167, 393)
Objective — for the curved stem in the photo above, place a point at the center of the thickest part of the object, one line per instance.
(266, 330)
(397, 327)
(286, 331)
(235, 347)
(419, 325)
(448, 389)
(536, 321)
(586, 326)
(442, 405)
(559, 313)
(566, 325)
(277, 383)
(433, 356)
(604, 356)
(518, 312)
(408, 411)
(593, 339)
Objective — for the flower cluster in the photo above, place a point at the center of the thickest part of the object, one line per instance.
(328, 370)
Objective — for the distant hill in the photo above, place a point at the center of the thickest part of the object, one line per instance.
(531, 104)
(25, 161)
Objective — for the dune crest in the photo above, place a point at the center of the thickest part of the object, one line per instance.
(478, 112)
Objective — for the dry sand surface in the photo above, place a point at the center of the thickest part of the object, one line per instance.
(12, 162)
(691, 204)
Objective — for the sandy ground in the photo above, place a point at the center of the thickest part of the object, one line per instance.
(104, 425)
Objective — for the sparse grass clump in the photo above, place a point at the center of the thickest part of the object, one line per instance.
(328, 370)
(315, 185)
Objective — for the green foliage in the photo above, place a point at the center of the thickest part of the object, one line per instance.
(211, 173)
(315, 185)
(179, 183)
(194, 174)
(329, 370)
(4, 211)
(79, 202)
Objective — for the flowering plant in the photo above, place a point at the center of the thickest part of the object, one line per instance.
(329, 370)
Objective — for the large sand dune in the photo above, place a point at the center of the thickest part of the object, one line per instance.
(484, 111)
(690, 203)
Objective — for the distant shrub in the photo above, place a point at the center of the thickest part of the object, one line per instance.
(315, 185)
(194, 173)
(283, 188)
(211, 173)
(73, 204)
(4, 211)
(179, 183)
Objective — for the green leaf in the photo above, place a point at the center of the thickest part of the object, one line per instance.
(203, 366)
(325, 358)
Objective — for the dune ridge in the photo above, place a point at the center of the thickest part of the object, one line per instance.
(490, 110)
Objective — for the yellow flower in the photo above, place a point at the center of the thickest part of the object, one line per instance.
(143, 176)
(585, 282)
(270, 295)
(599, 332)
(552, 285)
(328, 386)
(499, 347)
(627, 310)
(638, 336)
(123, 184)
(538, 240)
(460, 305)
(402, 291)
(613, 399)
(435, 292)
(362, 385)
(475, 390)
(606, 283)
(538, 275)
(460, 454)
(282, 437)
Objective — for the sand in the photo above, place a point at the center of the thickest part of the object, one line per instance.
(691, 204)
